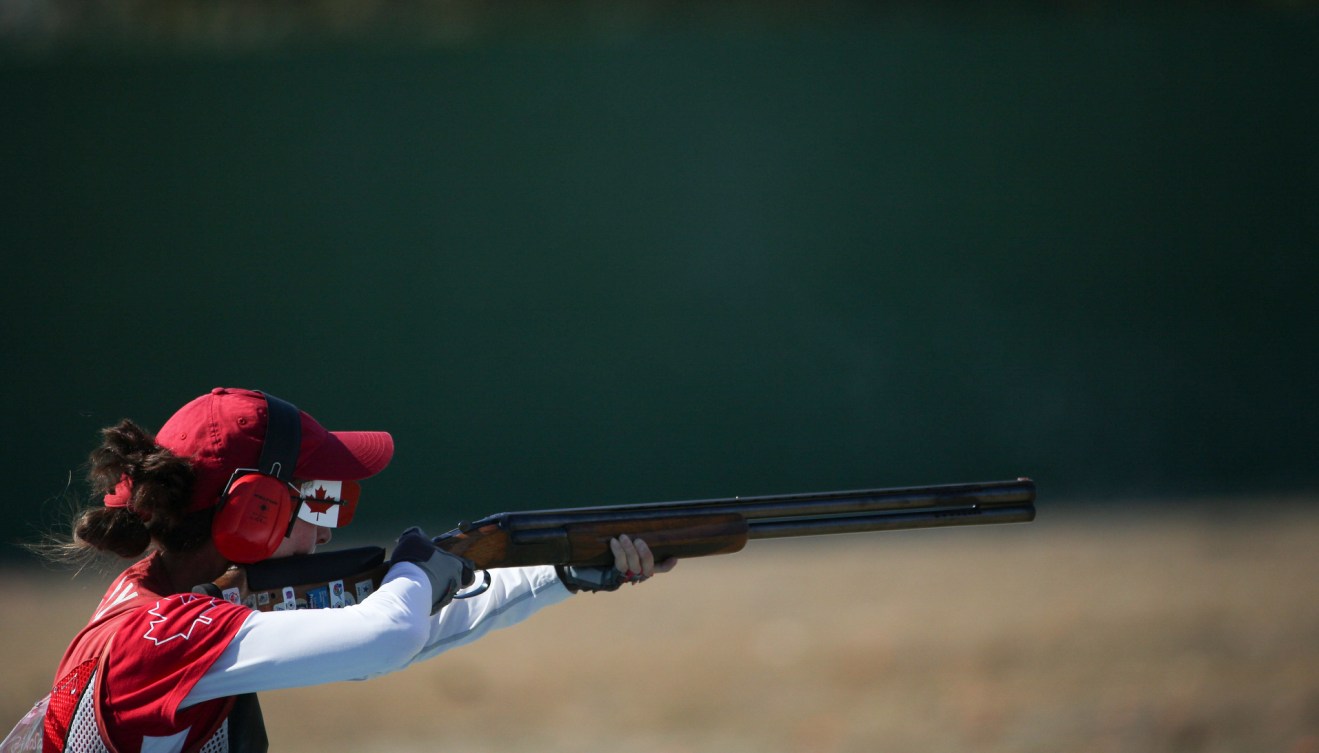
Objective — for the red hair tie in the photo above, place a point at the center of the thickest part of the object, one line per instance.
(122, 495)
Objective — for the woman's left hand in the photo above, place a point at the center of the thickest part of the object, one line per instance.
(633, 563)
(633, 558)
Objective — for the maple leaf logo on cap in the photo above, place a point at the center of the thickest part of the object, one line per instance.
(317, 506)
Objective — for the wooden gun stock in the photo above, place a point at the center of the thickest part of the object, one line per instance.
(580, 535)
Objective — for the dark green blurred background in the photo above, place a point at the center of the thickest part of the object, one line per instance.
(596, 257)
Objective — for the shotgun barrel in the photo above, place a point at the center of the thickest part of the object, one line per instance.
(784, 515)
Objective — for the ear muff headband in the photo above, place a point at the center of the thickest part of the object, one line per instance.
(279, 451)
(257, 508)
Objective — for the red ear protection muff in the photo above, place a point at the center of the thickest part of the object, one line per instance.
(258, 507)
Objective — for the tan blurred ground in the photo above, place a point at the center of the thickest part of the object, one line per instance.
(1188, 631)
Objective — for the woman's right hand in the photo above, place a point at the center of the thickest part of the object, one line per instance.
(447, 572)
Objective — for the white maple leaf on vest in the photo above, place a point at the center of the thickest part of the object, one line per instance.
(154, 627)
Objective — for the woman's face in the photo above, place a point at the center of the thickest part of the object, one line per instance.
(303, 540)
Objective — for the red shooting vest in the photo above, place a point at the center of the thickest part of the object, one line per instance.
(122, 679)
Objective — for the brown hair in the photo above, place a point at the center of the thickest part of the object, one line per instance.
(157, 509)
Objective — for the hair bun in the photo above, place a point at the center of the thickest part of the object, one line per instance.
(113, 529)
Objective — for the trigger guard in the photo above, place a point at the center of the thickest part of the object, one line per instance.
(485, 586)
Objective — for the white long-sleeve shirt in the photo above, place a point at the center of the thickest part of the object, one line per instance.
(387, 631)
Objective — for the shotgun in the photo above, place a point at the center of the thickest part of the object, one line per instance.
(580, 535)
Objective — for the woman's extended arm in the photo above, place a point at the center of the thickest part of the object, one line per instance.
(514, 595)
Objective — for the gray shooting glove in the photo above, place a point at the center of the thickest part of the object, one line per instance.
(447, 572)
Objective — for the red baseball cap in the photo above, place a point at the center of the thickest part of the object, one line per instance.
(224, 429)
